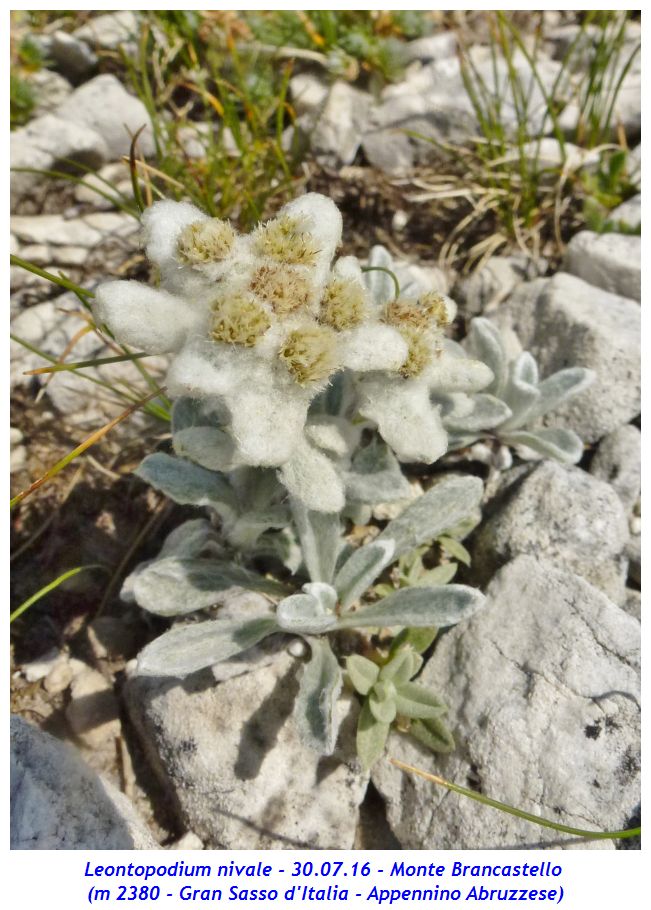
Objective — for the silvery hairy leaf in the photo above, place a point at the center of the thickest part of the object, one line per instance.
(245, 531)
(441, 606)
(380, 283)
(209, 447)
(319, 536)
(376, 476)
(521, 393)
(174, 586)
(443, 506)
(361, 569)
(440, 508)
(309, 613)
(190, 539)
(487, 412)
(485, 343)
(188, 484)
(189, 648)
(550, 442)
(316, 701)
(559, 387)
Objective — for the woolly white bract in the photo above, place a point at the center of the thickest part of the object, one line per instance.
(261, 324)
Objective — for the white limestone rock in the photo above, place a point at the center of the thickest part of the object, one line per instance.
(618, 461)
(104, 106)
(566, 322)
(543, 691)
(45, 144)
(112, 31)
(231, 756)
(608, 261)
(559, 513)
(58, 803)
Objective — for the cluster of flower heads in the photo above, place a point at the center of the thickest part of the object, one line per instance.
(261, 323)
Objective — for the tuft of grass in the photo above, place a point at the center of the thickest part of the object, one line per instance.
(220, 116)
(516, 197)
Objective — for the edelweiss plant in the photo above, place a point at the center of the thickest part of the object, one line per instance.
(510, 408)
(260, 326)
(300, 384)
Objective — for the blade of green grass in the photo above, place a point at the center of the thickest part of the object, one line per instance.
(55, 279)
(80, 364)
(50, 587)
(518, 813)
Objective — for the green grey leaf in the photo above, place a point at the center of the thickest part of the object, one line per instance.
(383, 707)
(444, 505)
(371, 737)
(376, 475)
(488, 412)
(363, 673)
(433, 733)
(418, 639)
(304, 613)
(551, 442)
(455, 548)
(441, 575)
(401, 667)
(485, 343)
(209, 447)
(319, 536)
(316, 701)
(174, 586)
(559, 387)
(192, 647)
(188, 484)
(441, 606)
(413, 700)
(520, 394)
(361, 569)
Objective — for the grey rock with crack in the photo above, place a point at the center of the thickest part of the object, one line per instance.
(543, 692)
(618, 460)
(232, 759)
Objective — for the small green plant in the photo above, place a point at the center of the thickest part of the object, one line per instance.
(349, 43)
(21, 100)
(390, 697)
(26, 59)
(605, 188)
